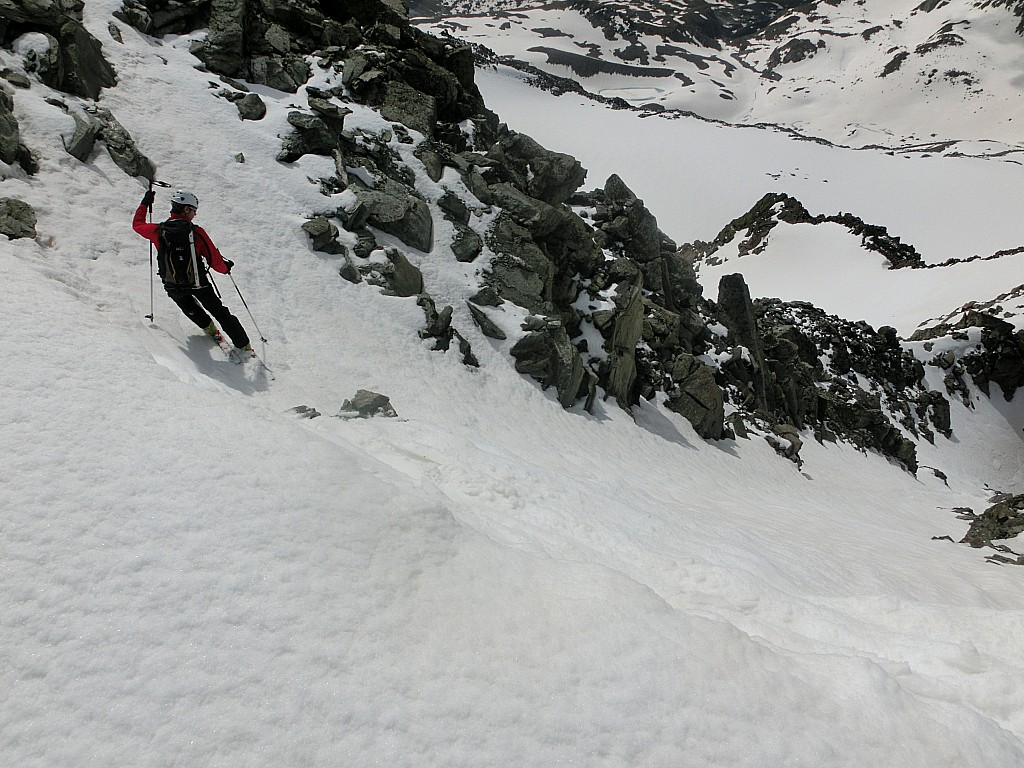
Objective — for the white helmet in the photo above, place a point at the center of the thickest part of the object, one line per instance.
(184, 197)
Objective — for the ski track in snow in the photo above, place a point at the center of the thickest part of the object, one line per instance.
(192, 574)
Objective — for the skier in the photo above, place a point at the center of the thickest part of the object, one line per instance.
(181, 248)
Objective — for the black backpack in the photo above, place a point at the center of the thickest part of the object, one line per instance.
(178, 262)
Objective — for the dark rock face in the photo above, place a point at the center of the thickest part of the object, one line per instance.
(74, 61)
(736, 311)
(84, 70)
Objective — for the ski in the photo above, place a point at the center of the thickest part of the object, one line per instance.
(250, 356)
(240, 356)
(229, 352)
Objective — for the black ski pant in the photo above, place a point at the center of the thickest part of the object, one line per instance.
(193, 302)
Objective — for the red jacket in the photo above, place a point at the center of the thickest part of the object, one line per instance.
(204, 245)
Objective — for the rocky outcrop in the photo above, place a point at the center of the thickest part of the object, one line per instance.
(71, 59)
(250, 106)
(793, 51)
(83, 140)
(551, 177)
(773, 209)
(1003, 520)
(413, 78)
(10, 134)
(839, 379)
(548, 355)
(439, 327)
(695, 394)
(736, 311)
(627, 330)
(122, 148)
(996, 357)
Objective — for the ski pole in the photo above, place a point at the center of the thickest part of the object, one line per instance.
(151, 316)
(244, 304)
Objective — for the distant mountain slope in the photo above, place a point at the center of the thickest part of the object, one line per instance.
(854, 72)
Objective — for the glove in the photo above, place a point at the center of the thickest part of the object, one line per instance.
(229, 264)
(148, 198)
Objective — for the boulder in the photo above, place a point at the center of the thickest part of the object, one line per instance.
(323, 234)
(17, 79)
(786, 441)
(487, 326)
(365, 404)
(519, 272)
(399, 211)
(439, 324)
(312, 136)
(466, 244)
(349, 271)
(82, 141)
(549, 357)
(695, 395)
(17, 218)
(285, 73)
(550, 176)
(453, 207)
(535, 215)
(121, 147)
(251, 107)
(629, 225)
(405, 279)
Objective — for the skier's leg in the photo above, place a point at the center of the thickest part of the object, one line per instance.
(228, 322)
(186, 301)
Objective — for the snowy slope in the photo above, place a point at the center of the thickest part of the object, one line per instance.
(193, 574)
(872, 72)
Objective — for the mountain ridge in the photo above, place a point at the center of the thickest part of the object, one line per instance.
(837, 71)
